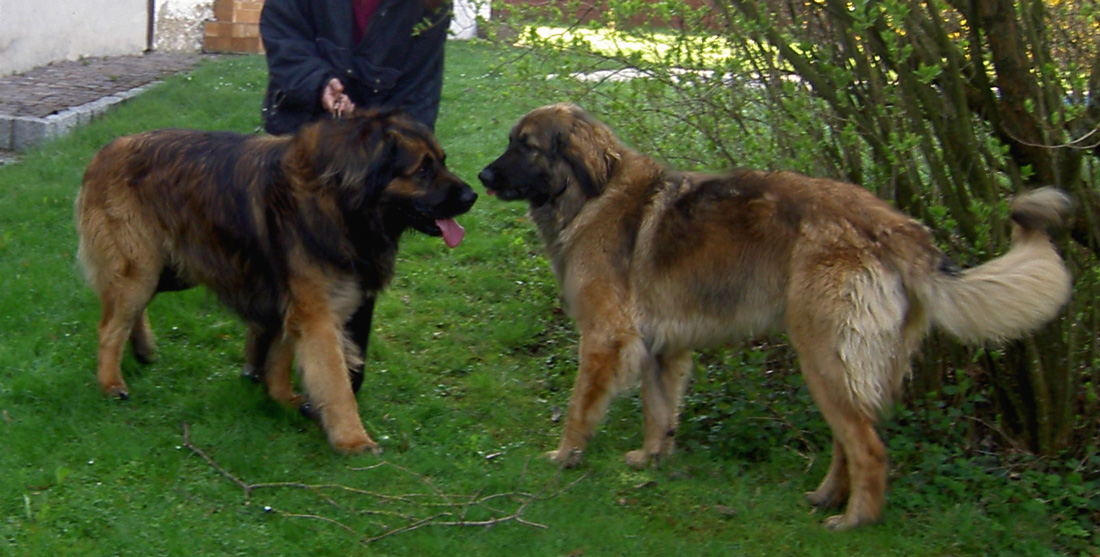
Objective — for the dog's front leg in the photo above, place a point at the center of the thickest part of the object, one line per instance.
(319, 346)
(325, 378)
(607, 362)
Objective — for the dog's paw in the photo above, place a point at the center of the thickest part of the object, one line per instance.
(638, 459)
(566, 458)
(838, 523)
(846, 521)
(250, 372)
(145, 355)
(307, 411)
(118, 391)
(356, 444)
(825, 499)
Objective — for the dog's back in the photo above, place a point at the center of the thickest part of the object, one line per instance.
(187, 205)
(760, 238)
(742, 253)
(171, 176)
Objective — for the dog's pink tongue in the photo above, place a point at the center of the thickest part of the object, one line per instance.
(452, 232)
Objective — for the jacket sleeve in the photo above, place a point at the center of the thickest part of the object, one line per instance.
(421, 83)
(297, 70)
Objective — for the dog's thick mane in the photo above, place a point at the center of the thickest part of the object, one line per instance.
(622, 175)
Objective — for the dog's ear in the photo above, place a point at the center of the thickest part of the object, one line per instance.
(590, 149)
(353, 158)
(383, 143)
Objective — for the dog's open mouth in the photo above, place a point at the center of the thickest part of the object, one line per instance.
(439, 226)
(438, 218)
(452, 232)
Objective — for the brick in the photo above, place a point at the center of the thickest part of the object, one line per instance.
(217, 29)
(247, 45)
(247, 15)
(250, 45)
(231, 30)
(217, 44)
(223, 10)
(49, 101)
(237, 11)
(246, 30)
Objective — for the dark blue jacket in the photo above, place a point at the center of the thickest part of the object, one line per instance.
(399, 62)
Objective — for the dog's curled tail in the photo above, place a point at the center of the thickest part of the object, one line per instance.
(1012, 295)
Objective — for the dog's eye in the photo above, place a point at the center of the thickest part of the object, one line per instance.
(523, 141)
(426, 169)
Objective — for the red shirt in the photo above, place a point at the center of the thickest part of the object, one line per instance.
(364, 9)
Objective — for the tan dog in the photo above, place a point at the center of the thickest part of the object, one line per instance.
(654, 263)
(297, 234)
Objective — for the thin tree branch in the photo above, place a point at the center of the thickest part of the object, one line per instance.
(459, 506)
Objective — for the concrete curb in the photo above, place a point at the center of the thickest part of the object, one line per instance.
(21, 133)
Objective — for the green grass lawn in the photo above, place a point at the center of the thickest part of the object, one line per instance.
(468, 361)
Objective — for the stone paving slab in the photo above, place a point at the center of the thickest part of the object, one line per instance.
(50, 100)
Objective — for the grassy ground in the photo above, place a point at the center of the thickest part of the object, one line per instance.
(469, 361)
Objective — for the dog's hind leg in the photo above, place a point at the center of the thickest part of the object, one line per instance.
(119, 251)
(833, 490)
(258, 343)
(123, 301)
(358, 327)
(142, 340)
(278, 366)
(859, 456)
(663, 382)
(836, 486)
(853, 328)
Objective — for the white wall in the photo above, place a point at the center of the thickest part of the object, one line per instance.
(466, 12)
(179, 24)
(37, 32)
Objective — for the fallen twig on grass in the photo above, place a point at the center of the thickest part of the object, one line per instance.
(459, 506)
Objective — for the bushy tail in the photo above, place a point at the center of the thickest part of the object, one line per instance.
(1015, 293)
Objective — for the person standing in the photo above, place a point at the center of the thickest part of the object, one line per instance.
(327, 57)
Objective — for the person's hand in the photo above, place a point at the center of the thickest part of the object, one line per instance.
(334, 100)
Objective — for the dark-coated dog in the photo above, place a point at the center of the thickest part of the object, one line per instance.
(297, 234)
